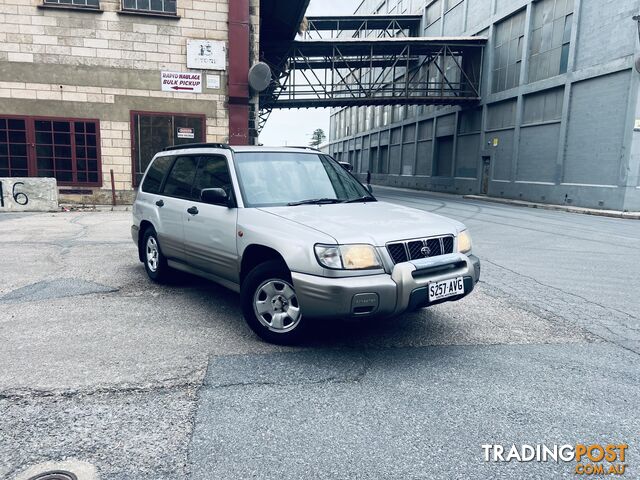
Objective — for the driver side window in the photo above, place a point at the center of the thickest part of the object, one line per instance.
(213, 172)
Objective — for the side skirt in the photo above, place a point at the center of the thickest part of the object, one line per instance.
(209, 276)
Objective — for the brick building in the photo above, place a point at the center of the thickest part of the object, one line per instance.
(81, 91)
(558, 121)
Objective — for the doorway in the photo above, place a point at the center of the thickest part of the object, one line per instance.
(373, 160)
(486, 171)
(151, 132)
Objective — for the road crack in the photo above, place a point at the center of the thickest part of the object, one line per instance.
(563, 291)
(583, 312)
(170, 384)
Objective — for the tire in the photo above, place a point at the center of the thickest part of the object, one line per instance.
(270, 305)
(155, 262)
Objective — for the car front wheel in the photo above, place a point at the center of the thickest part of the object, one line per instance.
(270, 304)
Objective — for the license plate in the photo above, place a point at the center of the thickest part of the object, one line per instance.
(446, 289)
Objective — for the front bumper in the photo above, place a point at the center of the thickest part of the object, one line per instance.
(383, 295)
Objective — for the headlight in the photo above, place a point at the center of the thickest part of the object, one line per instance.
(464, 242)
(347, 257)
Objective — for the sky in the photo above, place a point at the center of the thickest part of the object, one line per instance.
(295, 126)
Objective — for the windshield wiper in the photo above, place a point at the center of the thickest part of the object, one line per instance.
(315, 201)
(366, 198)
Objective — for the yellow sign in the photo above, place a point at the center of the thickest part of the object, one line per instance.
(495, 142)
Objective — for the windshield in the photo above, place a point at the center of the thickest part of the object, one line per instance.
(269, 179)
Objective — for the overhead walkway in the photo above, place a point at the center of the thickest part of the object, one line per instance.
(371, 60)
(362, 26)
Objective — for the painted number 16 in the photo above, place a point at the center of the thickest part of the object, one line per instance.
(19, 197)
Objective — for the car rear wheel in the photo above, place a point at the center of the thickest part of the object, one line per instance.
(155, 262)
(270, 304)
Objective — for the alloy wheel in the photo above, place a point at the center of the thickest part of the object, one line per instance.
(276, 306)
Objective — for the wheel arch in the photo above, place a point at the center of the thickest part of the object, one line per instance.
(256, 254)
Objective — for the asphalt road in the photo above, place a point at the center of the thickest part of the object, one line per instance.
(151, 382)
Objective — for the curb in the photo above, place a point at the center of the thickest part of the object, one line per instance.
(559, 208)
(431, 193)
(69, 207)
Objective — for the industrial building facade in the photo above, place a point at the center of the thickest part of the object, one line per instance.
(558, 121)
(91, 87)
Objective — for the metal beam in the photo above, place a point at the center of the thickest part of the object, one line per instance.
(392, 46)
(378, 101)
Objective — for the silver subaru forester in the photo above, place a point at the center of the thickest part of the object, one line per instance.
(297, 235)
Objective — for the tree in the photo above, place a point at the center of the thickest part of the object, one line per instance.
(317, 138)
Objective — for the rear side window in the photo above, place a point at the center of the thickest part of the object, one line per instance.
(155, 175)
(212, 173)
(181, 178)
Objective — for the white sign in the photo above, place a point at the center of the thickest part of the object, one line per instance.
(637, 126)
(206, 55)
(213, 82)
(187, 82)
(185, 132)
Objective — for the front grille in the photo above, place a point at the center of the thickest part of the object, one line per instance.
(415, 249)
(398, 252)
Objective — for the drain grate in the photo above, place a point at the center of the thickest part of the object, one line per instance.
(55, 475)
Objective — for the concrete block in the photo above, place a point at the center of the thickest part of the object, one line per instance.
(20, 57)
(48, 95)
(20, 194)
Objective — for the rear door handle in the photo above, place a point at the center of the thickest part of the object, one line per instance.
(192, 211)
(160, 203)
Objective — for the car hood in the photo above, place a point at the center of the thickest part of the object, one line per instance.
(376, 222)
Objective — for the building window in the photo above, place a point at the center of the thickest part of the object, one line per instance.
(507, 56)
(162, 7)
(332, 127)
(151, 132)
(95, 4)
(433, 12)
(66, 149)
(470, 121)
(501, 115)
(543, 107)
(13, 147)
(449, 4)
(550, 38)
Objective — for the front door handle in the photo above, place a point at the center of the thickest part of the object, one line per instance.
(192, 211)
(160, 203)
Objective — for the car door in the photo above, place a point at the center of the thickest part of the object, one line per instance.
(173, 204)
(210, 230)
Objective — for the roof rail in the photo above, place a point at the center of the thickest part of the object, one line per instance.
(303, 148)
(197, 145)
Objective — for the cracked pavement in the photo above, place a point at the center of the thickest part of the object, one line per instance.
(151, 382)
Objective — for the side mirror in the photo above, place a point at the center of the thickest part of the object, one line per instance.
(347, 166)
(370, 188)
(215, 196)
